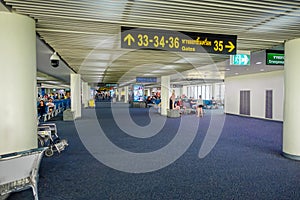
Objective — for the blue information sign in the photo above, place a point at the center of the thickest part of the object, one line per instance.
(146, 79)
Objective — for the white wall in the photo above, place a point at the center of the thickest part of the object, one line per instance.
(257, 84)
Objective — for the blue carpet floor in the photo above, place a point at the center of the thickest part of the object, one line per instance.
(246, 163)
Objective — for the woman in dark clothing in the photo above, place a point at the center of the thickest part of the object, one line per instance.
(41, 108)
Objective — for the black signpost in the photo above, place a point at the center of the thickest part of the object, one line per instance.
(156, 39)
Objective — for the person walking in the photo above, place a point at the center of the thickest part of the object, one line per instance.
(199, 107)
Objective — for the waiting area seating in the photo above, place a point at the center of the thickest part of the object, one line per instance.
(211, 104)
(60, 106)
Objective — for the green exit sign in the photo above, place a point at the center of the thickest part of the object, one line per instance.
(240, 59)
(274, 57)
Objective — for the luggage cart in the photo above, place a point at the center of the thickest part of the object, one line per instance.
(19, 171)
(52, 127)
(48, 137)
(44, 135)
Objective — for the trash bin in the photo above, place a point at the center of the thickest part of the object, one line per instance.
(92, 103)
(173, 113)
(68, 115)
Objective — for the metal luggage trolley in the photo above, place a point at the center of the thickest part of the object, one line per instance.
(19, 171)
(48, 137)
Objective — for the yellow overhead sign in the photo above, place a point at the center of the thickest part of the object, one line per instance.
(140, 38)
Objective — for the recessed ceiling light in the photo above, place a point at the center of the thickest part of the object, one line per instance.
(157, 71)
(258, 63)
(236, 73)
(262, 70)
(227, 69)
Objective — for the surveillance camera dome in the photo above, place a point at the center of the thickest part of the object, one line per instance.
(54, 60)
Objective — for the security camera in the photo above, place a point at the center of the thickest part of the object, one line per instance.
(54, 60)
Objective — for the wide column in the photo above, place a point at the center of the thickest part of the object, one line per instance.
(165, 94)
(76, 95)
(89, 94)
(18, 107)
(85, 94)
(213, 90)
(126, 94)
(291, 125)
(118, 94)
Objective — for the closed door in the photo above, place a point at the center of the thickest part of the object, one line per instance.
(245, 102)
(269, 104)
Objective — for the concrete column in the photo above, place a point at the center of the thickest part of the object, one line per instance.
(184, 90)
(165, 94)
(90, 93)
(49, 91)
(180, 92)
(291, 116)
(213, 90)
(119, 94)
(85, 94)
(18, 108)
(90, 96)
(76, 95)
(126, 94)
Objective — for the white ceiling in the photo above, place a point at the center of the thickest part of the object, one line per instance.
(86, 34)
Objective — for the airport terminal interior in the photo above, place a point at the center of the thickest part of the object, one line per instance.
(150, 100)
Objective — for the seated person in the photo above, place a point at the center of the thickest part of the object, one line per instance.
(193, 103)
(50, 105)
(149, 101)
(179, 106)
(214, 103)
(157, 101)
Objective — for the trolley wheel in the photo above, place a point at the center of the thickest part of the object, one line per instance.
(49, 152)
(56, 141)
